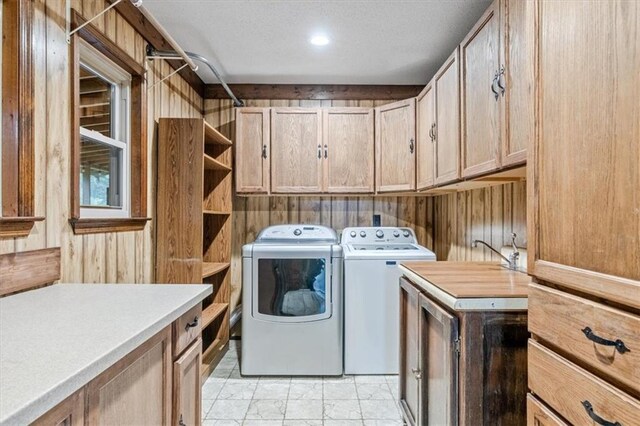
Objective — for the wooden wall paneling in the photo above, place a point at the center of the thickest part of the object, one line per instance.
(499, 228)
(94, 259)
(29, 270)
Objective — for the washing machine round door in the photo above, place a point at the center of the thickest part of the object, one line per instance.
(291, 284)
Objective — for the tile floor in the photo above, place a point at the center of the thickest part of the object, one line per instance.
(229, 399)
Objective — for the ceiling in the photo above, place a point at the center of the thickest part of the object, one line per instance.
(267, 41)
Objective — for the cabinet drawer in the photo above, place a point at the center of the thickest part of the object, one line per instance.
(186, 329)
(539, 415)
(560, 319)
(570, 390)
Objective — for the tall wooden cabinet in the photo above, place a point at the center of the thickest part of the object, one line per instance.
(425, 137)
(253, 129)
(296, 145)
(395, 146)
(584, 204)
(193, 233)
(447, 128)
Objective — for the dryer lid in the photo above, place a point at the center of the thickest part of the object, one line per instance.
(297, 234)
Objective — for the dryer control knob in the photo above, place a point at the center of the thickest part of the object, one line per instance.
(363, 234)
(379, 233)
(297, 232)
(396, 234)
(353, 234)
(406, 233)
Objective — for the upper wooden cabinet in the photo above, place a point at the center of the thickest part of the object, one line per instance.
(395, 146)
(425, 137)
(348, 150)
(447, 128)
(252, 128)
(480, 105)
(498, 88)
(296, 145)
(584, 225)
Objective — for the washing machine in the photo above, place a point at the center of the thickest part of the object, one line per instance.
(292, 302)
(372, 295)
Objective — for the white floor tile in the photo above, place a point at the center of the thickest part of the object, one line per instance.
(233, 390)
(339, 391)
(339, 379)
(302, 423)
(262, 423)
(380, 410)
(232, 409)
(271, 390)
(303, 410)
(370, 379)
(374, 391)
(311, 390)
(266, 409)
(214, 422)
(343, 423)
(342, 409)
(211, 389)
(383, 423)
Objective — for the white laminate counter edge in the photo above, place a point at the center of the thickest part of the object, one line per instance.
(466, 304)
(30, 410)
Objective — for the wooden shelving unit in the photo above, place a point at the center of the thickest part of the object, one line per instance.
(194, 216)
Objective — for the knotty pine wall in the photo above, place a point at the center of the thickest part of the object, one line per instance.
(446, 224)
(112, 257)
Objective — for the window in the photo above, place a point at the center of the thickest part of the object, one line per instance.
(109, 128)
(104, 136)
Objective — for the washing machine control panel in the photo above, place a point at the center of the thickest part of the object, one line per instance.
(297, 233)
(379, 234)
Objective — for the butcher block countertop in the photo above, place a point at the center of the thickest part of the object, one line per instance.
(56, 339)
(471, 285)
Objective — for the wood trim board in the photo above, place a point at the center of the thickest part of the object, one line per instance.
(29, 269)
(344, 92)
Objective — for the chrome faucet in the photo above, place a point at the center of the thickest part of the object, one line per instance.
(512, 260)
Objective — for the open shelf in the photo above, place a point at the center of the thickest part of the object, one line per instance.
(216, 212)
(211, 163)
(211, 356)
(212, 268)
(213, 311)
(214, 137)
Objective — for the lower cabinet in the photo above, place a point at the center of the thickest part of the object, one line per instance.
(149, 386)
(460, 367)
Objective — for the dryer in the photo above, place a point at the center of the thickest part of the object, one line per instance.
(292, 302)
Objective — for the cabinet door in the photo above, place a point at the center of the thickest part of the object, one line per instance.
(479, 58)
(539, 415)
(395, 146)
(425, 139)
(517, 84)
(348, 150)
(296, 150)
(69, 412)
(252, 150)
(410, 377)
(586, 173)
(438, 335)
(187, 390)
(136, 390)
(447, 129)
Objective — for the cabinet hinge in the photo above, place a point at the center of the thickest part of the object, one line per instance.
(456, 345)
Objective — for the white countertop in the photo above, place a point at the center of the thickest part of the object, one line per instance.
(54, 340)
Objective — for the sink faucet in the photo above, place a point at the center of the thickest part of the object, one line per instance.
(512, 260)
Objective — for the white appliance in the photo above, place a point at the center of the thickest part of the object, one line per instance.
(371, 295)
(292, 302)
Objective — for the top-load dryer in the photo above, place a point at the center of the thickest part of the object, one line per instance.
(292, 302)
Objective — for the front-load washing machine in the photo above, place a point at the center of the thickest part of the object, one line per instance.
(292, 302)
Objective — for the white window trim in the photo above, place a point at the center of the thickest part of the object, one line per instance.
(106, 69)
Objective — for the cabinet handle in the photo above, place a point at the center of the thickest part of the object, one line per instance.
(434, 131)
(411, 146)
(191, 324)
(264, 151)
(417, 373)
(431, 133)
(319, 151)
(326, 151)
(596, 418)
(619, 344)
(499, 80)
(181, 422)
(493, 86)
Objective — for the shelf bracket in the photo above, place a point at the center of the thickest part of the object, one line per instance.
(70, 32)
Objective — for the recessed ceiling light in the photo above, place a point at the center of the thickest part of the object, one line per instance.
(319, 40)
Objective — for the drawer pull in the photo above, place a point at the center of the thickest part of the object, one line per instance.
(181, 422)
(596, 418)
(191, 324)
(619, 344)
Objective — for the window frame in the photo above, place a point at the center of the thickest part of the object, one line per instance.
(137, 123)
(104, 68)
(17, 162)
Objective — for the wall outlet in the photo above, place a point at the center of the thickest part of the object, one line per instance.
(376, 220)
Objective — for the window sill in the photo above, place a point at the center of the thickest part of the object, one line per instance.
(98, 226)
(13, 227)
